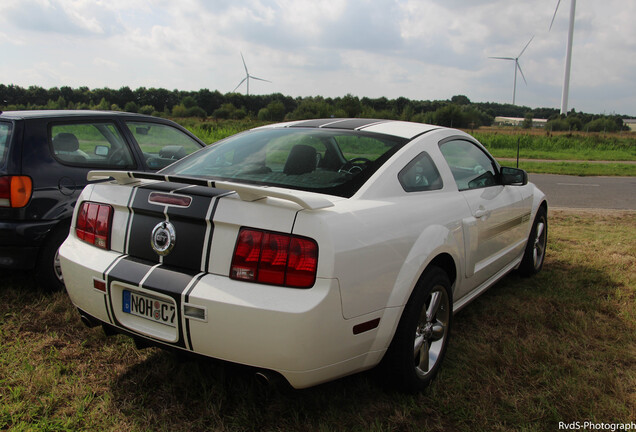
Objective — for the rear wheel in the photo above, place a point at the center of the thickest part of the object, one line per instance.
(419, 345)
(48, 272)
(534, 255)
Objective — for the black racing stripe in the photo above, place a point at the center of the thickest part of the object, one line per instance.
(162, 279)
(176, 179)
(169, 280)
(334, 123)
(105, 276)
(352, 124)
(107, 306)
(208, 247)
(140, 232)
(127, 270)
(187, 332)
(190, 224)
(192, 181)
(172, 282)
(130, 270)
(130, 216)
(204, 191)
(110, 266)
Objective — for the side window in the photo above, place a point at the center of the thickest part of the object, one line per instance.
(5, 135)
(94, 145)
(471, 167)
(420, 175)
(161, 144)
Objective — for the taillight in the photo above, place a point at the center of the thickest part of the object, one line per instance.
(275, 259)
(93, 224)
(15, 191)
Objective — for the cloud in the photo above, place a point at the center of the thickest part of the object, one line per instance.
(67, 17)
(420, 49)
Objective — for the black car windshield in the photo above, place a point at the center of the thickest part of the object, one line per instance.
(334, 162)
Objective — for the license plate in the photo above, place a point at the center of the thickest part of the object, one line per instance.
(149, 307)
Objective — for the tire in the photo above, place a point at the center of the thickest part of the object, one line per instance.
(48, 273)
(534, 255)
(419, 345)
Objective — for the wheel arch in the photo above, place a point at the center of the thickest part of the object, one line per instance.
(439, 246)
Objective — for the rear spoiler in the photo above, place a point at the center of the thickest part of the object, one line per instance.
(307, 200)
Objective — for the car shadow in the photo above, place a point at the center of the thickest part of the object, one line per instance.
(205, 394)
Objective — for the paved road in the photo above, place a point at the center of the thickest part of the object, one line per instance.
(587, 192)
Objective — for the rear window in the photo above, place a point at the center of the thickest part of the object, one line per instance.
(334, 162)
(5, 139)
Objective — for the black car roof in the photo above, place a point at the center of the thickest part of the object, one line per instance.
(69, 113)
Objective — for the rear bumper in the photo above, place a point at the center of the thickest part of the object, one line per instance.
(298, 333)
(20, 242)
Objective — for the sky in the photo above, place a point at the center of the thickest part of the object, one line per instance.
(418, 49)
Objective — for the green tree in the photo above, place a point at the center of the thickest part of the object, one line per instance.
(103, 105)
(312, 108)
(224, 112)
(146, 109)
(460, 100)
(527, 121)
(350, 105)
(131, 107)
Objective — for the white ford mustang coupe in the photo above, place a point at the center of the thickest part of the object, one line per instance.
(314, 249)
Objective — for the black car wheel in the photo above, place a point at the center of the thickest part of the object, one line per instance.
(419, 345)
(534, 255)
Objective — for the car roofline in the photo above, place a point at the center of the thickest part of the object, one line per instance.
(27, 114)
(396, 128)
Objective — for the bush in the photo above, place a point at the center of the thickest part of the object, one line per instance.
(602, 125)
(179, 111)
(147, 109)
(225, 112)
(131, 107)
(196, 111)
(558, 124)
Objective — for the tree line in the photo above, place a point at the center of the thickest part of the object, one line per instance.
(457, 112)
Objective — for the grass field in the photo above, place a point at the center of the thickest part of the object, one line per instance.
(528, 354)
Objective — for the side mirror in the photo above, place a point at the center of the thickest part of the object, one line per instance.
(101, 150)
(513, 176)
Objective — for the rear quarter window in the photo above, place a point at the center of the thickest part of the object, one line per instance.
(5, 139)
(420, 174)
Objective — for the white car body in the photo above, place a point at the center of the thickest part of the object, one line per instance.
(373, 247)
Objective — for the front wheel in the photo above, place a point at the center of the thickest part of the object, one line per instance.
(534, 255)
(419, 345)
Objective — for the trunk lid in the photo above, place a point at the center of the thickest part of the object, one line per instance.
(198, 225)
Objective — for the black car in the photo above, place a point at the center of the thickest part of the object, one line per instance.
(44, 159)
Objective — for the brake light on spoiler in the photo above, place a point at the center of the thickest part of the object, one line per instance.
(93, 224)
(274, 259)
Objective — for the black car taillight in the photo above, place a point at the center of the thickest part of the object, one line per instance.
(93, 224)
(15, 191)
(275, 259)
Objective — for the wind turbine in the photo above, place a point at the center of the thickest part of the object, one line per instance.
(568, 56)
(247, 78)
(517, 66)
